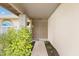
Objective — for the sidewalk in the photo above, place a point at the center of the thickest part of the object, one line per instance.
(39, 49)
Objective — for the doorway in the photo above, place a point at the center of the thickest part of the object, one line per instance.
(40, 29)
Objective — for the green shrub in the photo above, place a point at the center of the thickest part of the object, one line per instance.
(17, 43)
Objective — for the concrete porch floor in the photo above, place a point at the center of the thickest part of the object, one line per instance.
(39, 49)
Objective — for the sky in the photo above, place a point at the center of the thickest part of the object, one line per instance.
(6, 13)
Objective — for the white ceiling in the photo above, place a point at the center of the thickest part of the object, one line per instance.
(37, 10)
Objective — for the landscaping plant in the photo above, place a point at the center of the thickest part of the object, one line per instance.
(17, 43)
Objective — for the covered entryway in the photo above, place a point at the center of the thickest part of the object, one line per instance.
(38, 15)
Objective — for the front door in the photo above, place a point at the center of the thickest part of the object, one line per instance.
(40, 29)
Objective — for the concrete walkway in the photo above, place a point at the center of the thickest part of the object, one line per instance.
(39, 49)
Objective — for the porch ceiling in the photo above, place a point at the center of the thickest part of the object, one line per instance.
(37, 10)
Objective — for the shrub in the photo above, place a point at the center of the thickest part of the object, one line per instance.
(17, 43)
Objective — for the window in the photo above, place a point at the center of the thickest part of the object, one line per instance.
(5, 19)
(6, 24)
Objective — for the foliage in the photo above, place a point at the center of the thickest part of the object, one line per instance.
(17, 43)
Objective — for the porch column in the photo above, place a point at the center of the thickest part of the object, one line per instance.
(22, 20)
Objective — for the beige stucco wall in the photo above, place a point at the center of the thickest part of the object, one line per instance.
(63, 29)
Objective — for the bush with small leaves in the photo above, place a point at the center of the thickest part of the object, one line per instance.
(17, 43)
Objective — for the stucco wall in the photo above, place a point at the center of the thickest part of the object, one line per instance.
(63, 29)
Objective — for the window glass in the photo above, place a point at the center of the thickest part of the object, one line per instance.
(6, 23)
